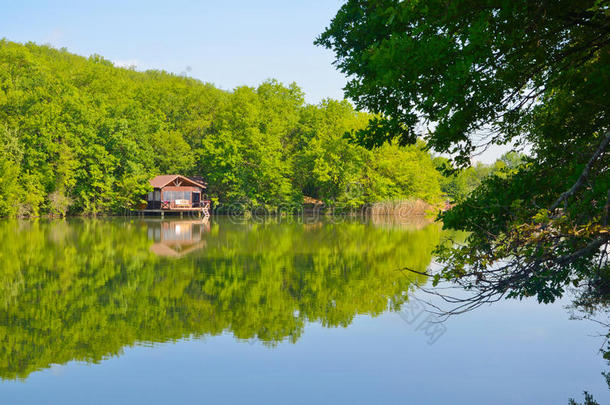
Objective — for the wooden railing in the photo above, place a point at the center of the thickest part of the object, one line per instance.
(171, 205)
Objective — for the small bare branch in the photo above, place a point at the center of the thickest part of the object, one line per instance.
(585, 173)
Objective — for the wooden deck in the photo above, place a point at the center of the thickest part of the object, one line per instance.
(200, 208)
(198, 211)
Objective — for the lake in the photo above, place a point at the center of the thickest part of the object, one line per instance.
(230, 310)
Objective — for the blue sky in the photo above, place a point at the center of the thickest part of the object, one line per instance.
(227, 43)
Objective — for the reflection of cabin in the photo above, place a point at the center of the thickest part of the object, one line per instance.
(177, 238)
(178, 194)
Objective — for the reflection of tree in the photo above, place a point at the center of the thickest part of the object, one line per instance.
(82, 290)
(592, 303)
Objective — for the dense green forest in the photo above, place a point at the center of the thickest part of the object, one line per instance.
(81, 136)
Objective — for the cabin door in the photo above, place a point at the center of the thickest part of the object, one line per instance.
(196, 199)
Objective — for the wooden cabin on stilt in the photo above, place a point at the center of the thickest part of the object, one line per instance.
(174, 193)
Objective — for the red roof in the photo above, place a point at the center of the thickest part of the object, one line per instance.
(164, 180)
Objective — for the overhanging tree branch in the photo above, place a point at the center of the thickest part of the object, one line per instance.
(585, 173)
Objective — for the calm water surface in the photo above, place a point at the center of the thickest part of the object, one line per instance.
(184, 311)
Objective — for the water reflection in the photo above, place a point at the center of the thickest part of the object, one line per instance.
(84, 289)
(177, 238)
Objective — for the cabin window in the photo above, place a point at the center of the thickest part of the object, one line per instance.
(150, 196)
(176, 195)
(157, 195)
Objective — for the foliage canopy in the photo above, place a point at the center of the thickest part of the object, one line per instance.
(480, 72)
(78, 135)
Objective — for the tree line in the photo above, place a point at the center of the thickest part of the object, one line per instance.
(81, 136)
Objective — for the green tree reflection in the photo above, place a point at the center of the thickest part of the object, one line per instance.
(84, 289)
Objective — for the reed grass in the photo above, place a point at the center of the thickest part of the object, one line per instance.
(402, 208)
